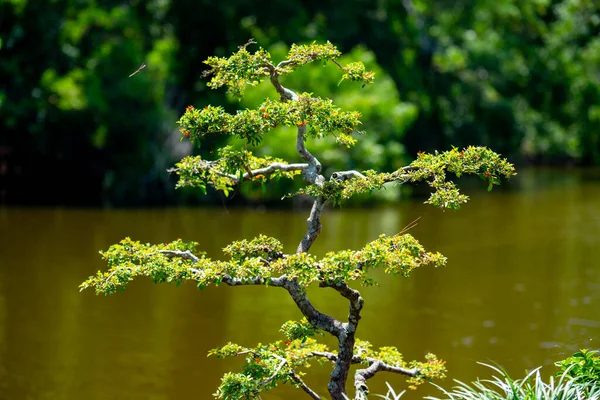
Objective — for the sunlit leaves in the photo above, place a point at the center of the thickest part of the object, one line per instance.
(356, 72)
(239, 70)
(129, 259)
(268, 365)
(479, 161)
(304, 54)
(299, 330)
(430, 168)
(583, 367)
(337, 191)
(236, 386)
(398, 254)
(300, 266)
(231, 168)
(321, 116)
(264, 247)
(244, 68)
(432, 368)
(256, 262)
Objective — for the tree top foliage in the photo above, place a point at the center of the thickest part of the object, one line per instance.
(319, 117)
(244, 68)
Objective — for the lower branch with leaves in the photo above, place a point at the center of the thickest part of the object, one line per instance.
(262, 261)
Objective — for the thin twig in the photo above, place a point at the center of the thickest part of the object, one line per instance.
(291, 373)
(109, 276)
(408, 227)
(138, 70)
(270, 379)
(333, 60)
(298, 380)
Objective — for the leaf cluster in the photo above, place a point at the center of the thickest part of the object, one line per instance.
(431, 368)
(302, 54)
(299, 330)
(244, 68)
(256, 262)
(241, 69)
(265, 247)
(430, 168)
(232, 167)
(583, 367)
(268, 365)
(129, 259)
(321, 116)
(356, 71)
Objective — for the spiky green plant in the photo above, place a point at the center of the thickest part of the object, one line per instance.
(532, 387)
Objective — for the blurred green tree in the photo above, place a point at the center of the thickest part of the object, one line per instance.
(68, 107)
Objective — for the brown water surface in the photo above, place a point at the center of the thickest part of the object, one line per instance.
(521, 289)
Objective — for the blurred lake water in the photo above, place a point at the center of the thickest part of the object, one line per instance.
(521, 289)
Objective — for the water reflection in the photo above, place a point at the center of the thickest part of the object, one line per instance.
(520, 289)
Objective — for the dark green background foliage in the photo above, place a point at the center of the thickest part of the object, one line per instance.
(522, 77)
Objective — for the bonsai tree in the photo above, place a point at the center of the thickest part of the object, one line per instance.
(262, 261)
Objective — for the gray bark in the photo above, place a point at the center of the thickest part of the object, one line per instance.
(344, 332)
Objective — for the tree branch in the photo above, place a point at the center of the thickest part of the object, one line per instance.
(295, 377)
(361, 375)
(314, 225)
(277, 282)
(356, 302)
(346, 341)
(314, 317)
(276, 166)
(284, 93)
(266, 171)
(356, 359)
(345, 175)
(269, 379)
(376, 365)
(311, 173)
(228, 280)
(183, 254)
(339, 375)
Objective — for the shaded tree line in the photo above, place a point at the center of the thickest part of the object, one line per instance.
(522, 77)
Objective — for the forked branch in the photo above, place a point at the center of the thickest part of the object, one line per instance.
(296, 378)
(361, 376)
